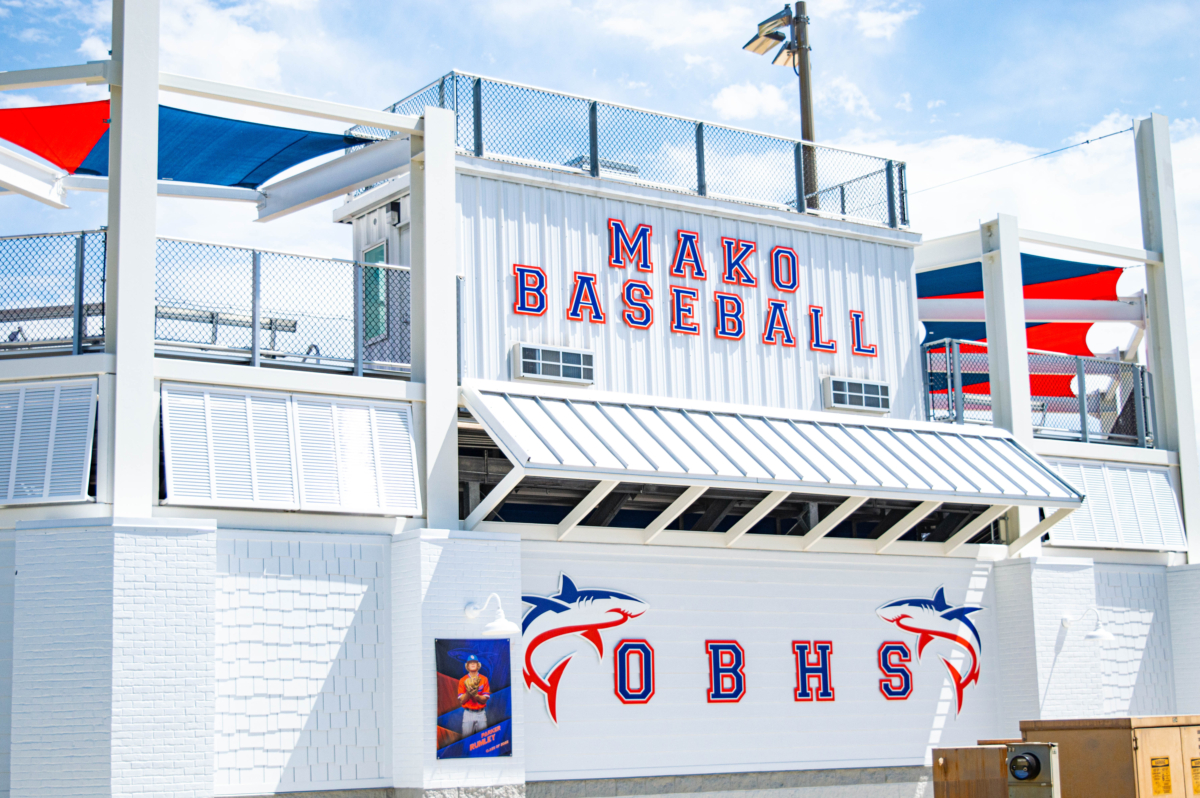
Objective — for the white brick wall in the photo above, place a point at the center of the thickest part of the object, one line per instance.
(8, 564)
(1183, 589)
(162, 654)
(1069, 684)
(1017, 651)
(62, 663)
(437, 574)
(1136, 668)
(302, 662)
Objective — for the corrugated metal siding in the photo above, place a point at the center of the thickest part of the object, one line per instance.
(502, 223)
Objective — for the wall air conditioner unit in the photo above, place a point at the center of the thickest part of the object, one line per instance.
(553, 363)
(864, 396)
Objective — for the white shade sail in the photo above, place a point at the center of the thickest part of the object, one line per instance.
(585, 435)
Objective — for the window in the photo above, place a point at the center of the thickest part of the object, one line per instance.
(46, 441)
(863, 395)
(375, 294)
(558, 365)
(1126, 507)
(230, 448)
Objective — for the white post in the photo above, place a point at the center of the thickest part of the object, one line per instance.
(129, 295)
(434, 297)
(1167, 343)
(1008, 351)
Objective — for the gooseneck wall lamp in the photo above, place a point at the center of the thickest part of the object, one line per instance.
(500, 626)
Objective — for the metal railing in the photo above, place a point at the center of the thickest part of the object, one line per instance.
(520, 124)
(1088, 399)
(315, 313)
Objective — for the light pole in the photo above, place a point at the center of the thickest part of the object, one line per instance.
(794, 54)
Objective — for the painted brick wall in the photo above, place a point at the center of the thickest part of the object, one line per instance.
(764, 600)
(1017, 652)
(1069, 681)
(1137, 673)
(62, 663)
(1183, 589)
(302, 693)
(162, 651)
(437, 574)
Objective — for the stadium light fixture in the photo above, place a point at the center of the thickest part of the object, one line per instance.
(793, 53)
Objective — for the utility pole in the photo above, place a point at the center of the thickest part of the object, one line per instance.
(803, 70)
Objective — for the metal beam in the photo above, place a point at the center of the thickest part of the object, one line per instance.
(373, 163)
(31, 179)
(676, 509)
(972, 529)
(90, 73)
(580, 511)
(751, 518)
(290, 103)
(942, 253)
(169, 188)
(1091, 247)
(1036, 310)
(1038, 530)
(827, 524)
(492, 500)
(898, 530)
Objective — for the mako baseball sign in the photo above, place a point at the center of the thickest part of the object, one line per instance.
(589, 612)
(732, 314)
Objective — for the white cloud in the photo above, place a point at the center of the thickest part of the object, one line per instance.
(905, 103)
(665, 23)
(935, 104)
(93, 48)
(841, 93)
(880, 23)
(190, 28)
(33, 36)
(744, 101)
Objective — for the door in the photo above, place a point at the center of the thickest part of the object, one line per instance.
(1160, 768)
(1190, 738)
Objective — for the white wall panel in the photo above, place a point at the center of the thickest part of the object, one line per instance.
(763, 601)
(502, 223)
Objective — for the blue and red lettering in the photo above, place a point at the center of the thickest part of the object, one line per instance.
(856, 336)
(687, 255)
(584, 297)
(778, 329)
(812, 663)
(636, 247)
(634, 671)
(638, 311)
(816, 331)
(785, 269)
(731, 311)
(683, 310)
(897, 683)
(726, 675)
(530, 290)
(736, 254)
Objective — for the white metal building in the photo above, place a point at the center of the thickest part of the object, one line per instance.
(687, 434)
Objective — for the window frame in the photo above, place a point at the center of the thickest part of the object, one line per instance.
(368, 272)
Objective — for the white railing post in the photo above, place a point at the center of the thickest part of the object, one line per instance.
(77, 316)
(256, 310)
(1082, 391)
(358, 319)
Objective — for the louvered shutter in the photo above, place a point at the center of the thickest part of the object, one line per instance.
(1126, 506)
(233, 449)
(46, 431)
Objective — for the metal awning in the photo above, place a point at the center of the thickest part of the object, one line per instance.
(576, 434)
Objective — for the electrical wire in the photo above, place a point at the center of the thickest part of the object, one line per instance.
(1026, 160)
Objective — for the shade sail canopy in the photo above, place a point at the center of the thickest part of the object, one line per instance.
(192, 147)
(583, 435)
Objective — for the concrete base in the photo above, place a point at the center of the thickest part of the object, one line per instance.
(894, 782)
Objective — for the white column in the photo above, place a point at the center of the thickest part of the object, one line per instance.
(1008, 352)
(1168, 338)
(129, 292)
(434, 325)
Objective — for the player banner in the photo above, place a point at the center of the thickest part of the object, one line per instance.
(474, 698)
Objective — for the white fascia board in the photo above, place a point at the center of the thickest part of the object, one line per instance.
(1091, 247)
(92, 72)
(1036, 310)
(368, 201)
(942, 253)
(372, 163)
(29, 178)
(289, 103)
(169, 188)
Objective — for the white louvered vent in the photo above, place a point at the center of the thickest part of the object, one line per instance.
(46, 441)
(1129, 507)
(231, 448)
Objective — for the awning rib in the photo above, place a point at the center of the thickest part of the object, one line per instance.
(561, 433)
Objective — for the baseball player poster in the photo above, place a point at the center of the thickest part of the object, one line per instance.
(474, 698)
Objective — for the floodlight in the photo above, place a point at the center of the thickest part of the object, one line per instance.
(776, 22)
(763, 44)
(787, 57)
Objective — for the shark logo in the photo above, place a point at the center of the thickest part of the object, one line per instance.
(571, 611)
(935, 618)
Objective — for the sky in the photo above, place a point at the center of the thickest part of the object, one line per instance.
(952, 88)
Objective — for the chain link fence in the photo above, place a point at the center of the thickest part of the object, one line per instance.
(1115, 405)
(519, 124)
(209, 300)
(53, 292)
